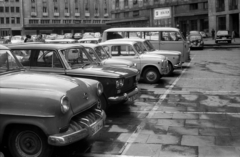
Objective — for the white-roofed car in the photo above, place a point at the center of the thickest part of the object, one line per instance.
(173, 57)
(90, 40)
(151, 67)
(223, 36)
(17, 39)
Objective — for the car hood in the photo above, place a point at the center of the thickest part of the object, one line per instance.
(102, 71)
(165, 52)
(152, 57)
(113, 61)
(56, 84)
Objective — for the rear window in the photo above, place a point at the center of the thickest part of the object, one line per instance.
(222, 33)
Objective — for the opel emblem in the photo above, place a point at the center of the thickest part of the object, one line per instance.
(85, 96)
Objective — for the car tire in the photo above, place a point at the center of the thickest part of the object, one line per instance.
(151, 75)
(170, 68)
(28, 141)
(103, 103)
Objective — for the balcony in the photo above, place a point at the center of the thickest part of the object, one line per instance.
(77, 14)
(66, 14)
(33, 14)
(87, 14)
(56, 14)
(106, 15)
(219, 9)
(96, 15)
(45, 14)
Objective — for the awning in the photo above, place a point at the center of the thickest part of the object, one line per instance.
(127, 20)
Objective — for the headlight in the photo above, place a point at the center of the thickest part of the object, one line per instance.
(134, 65)
(121, 82)
(117, 84)
(65, 104)
(99, 89)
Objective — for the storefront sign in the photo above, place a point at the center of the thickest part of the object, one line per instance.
(162, 13)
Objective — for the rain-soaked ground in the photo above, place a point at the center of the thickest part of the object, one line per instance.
(193, 113)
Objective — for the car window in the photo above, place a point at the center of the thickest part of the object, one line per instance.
(170, 36)
(91, 52)
(123, 50)
(101, 53)
(152, 36)
(7, 61)
(77, 57)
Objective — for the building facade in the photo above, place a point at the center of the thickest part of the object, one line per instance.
(65, 16)
(186, 15)
(224, 15)
(10, 17)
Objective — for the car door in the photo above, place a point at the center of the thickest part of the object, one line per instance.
(126, 52)
(171, 40)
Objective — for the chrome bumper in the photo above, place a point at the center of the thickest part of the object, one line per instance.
(79, 128)
(125, 96)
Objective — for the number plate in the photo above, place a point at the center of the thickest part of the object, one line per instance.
(97, 127)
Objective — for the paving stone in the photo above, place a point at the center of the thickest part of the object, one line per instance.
(199, 123)
(121, 128)
(233, 117)
(174, 130)
(235, 131)
(107, 147)
(228, 141)
(152, 96)
(141, 138)
(172, 109)
(185, 116)
(189, 140)
(123, 137)
(213, 116)
(178, 151)
(105, 136)
(138, 149)
(163, 139)
(168, 122)
(162, 115)
(215, 131)
(217, 151)
(187, 104)
(154, 129)
(226, 124)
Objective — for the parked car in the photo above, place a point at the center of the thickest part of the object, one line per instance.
(40, 110)
(77, 36)
(151, 67)
(195, 40)
(203, 34)
(17, 39)
(68, 36)
(99, 54)
(223, 36)
(173, 57)
(90, 40)
(62, 41)
(120, 84)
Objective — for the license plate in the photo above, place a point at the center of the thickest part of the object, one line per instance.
(132, 98)
(97, 127)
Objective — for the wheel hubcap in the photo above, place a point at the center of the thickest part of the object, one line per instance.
(151, 76)
(28, 144)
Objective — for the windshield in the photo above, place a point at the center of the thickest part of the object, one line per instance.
(148, 46)
(222, 33)
(101, 53)
(192, 37)
(77, 57)
(138, 48)
(8, 61)
(16, 38)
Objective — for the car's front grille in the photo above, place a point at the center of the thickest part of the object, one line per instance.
(129, 84)
(85, 119)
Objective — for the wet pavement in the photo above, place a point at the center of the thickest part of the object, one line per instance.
(194, 113)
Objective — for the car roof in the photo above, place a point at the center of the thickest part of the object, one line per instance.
(141, 29)
(44, 46)
(84, 39)
(127, 39)
(2, 47)
(88, 45)
(119, 42)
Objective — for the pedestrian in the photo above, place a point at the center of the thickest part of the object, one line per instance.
(28, 39)
(213, 34)
(233, 35)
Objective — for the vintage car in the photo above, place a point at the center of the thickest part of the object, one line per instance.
(90, 40)
(151, 67)
(195, 40)
(63, 41)
(120, 84)
(40, 110)
(173, 57)
(99, 54)
(223, 36)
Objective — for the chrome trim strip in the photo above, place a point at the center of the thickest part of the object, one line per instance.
(28, 115)
(125, 96)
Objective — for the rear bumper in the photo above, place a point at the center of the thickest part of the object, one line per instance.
(82, 126)
(124, 97)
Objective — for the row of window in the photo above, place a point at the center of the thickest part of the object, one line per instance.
(9, 9)
(11, 0)
(7, 20)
